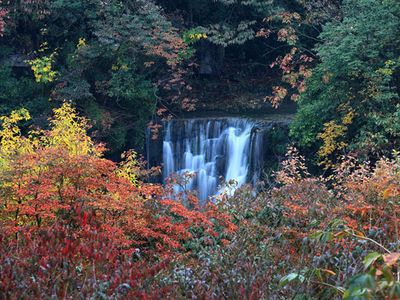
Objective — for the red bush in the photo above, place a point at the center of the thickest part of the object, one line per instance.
(69, 226)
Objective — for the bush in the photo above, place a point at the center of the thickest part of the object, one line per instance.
(73, 224)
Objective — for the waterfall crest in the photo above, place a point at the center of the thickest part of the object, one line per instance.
(210, 149)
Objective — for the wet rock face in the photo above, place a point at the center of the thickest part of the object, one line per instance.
(220, 164)
(232, 148)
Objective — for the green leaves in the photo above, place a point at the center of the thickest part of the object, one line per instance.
(370, 259)
(356, 74)
(361, 287)
(322, 236)
(378, 281)
(290, 278)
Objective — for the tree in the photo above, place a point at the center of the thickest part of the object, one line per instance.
(228, 26)
(112, 59)
(358, 74)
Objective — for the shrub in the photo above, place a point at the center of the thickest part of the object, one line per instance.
(74, 224)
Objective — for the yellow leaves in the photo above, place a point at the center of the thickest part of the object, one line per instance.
(16, 116)
(332, 132)
(348, 118)
(332, 137)
(11, 141)
(81, 43)
(42, 68)
(68, 130)
(194, 35)
(122, 67)
(389, 68)
(198, 36)
(43, 47)
(129, 167)
(387, 193)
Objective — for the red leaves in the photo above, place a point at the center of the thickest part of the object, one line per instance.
(52, 186)
(84, 219)
(66, 248)
(71, 221)
(295, 68)
(51, 263)
(75, 218)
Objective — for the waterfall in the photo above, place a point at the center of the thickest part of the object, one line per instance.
(210, 149)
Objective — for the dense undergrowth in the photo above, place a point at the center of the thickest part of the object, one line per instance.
(76, 225)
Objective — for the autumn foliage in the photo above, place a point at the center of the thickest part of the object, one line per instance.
(73, 223)
(331, 227)
(310, 237)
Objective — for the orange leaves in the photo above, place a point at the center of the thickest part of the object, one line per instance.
(360, 210)
(52, 186)
(151, 190)
(391, 191)
(68, 215)
(278, 94)
(350, 222)
(263, 32)
(300, 210)
(178, 221)
(295, 68)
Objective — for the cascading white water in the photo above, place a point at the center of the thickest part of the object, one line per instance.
(209, 149)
